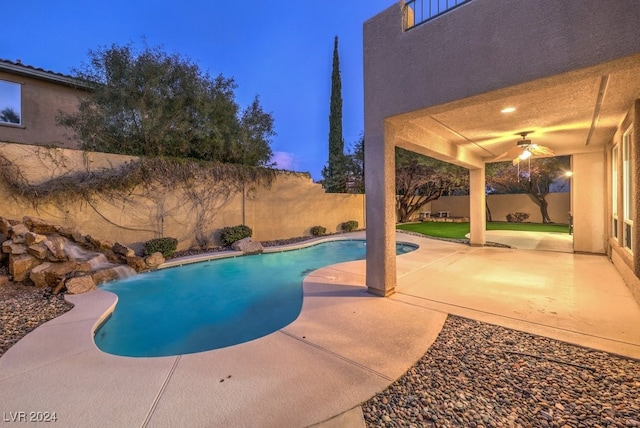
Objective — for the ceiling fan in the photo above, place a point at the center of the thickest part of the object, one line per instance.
(525, 149)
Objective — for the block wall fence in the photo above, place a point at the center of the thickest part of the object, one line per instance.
(288, 208)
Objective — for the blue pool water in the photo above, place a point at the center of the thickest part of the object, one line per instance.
(214, 304)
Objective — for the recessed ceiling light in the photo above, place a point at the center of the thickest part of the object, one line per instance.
(508, 110)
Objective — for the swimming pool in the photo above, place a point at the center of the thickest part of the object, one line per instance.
(215, 304)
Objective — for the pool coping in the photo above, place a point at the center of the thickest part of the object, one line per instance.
(181, 261)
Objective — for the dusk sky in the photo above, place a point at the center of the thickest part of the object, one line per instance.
(278, 50)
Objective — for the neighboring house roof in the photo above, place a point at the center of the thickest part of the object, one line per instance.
(41, 74)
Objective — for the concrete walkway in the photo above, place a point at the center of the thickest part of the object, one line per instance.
(345, 346)
(540, 241)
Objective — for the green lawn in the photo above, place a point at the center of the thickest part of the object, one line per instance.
(459, 230)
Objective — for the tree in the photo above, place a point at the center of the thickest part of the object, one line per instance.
(154, 104)
(420, 179)
(355, 167)
(536, 182)
(334, 173)
(9, 115)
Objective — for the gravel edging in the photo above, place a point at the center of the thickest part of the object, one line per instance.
(482, 375)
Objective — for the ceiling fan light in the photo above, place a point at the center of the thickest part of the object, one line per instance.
(526, 154)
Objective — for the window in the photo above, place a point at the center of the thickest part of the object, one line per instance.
(10, 103)
(418, 11)
(614, 192)
(627, 190)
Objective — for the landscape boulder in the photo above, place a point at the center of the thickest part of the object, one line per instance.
(5, 227)
(56, 249)
(80, 284)
(154, 260)
(31, 238)
(18, 232)
(247, 246)
(59, 271)
(21, 264)
(106, 275)
(11, 247)
(123, 250)
(39, 275)
(136, 263)
(39, 226)
(39, 250)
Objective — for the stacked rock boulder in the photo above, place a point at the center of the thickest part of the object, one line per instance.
(37, 252)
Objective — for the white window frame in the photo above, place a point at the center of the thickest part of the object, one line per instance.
(9, 100)
(627, 189)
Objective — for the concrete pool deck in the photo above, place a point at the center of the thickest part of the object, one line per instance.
(345, 346)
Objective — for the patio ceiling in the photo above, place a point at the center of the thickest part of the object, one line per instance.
(573, 112)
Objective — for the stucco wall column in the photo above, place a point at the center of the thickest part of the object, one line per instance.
(380, 216)
(477, 207)
(588, 202)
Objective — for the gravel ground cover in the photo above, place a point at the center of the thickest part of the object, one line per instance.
(23, 308)
(481, 375)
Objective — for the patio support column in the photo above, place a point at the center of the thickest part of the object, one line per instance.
(477, 207)
(380, 215)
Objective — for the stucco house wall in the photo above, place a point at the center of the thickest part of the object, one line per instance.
(461, 54)
(43, 95)
(627, 262)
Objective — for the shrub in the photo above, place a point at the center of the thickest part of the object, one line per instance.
(349, 226)
(318, 230)
(166, 246)
(231, 234)
(517, 217)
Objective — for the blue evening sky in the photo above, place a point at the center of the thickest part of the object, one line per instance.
(279, 50)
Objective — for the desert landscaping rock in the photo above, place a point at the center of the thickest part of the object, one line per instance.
(154, 260)
(481, 375)
(23, 308)
(247, 246)
(79, 285)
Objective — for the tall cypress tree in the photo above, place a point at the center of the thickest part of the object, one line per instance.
(334, 174)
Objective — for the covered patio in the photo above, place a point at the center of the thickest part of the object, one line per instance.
(464, 96)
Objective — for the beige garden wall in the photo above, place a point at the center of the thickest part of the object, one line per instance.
(501, 205)
(288, 208)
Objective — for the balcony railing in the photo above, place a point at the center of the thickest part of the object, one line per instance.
(417, 12)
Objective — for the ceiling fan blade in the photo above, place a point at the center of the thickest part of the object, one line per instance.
(509, 154)
(540, 150)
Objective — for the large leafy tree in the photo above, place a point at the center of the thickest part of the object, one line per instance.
(334, 174)
(155, 104)
(537, 181)
(421, 179)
